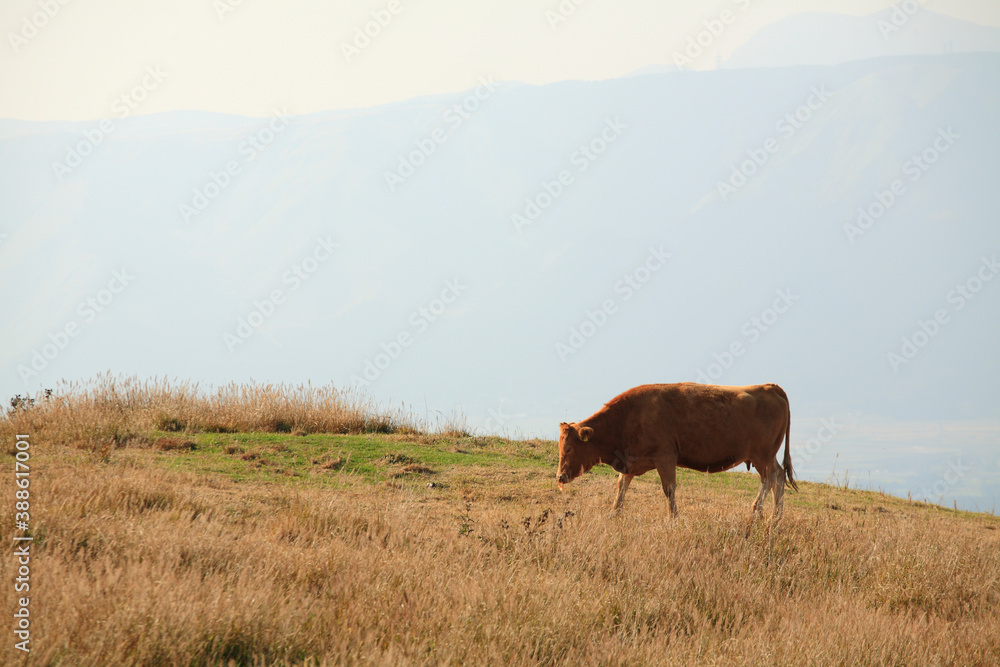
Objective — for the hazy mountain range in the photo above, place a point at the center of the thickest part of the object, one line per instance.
(906, 29)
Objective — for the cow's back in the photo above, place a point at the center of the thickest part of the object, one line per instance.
(710, 427)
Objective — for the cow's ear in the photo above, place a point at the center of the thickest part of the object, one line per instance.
(585, 433)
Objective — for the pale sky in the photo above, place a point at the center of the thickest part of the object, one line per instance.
(264, 55)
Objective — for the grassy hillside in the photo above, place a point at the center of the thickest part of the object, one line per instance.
(200, 548)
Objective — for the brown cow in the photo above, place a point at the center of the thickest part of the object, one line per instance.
(698, 426)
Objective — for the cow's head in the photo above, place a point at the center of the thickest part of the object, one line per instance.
(576, 454)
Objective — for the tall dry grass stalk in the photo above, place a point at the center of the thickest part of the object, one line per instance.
(106, 412)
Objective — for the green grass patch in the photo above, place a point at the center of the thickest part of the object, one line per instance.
(325, 459)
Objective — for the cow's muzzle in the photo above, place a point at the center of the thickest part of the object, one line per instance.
(562, 478)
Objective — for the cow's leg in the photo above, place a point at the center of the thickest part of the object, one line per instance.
(765, 488)
(668, 478)
(779, 489)
(623, 482)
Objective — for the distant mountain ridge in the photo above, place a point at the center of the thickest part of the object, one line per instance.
(818, 38)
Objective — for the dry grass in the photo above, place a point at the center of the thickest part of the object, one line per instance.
(202, 548)
(136, 564)
(109, 411)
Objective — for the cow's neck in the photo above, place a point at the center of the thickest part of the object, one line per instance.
(605, 440)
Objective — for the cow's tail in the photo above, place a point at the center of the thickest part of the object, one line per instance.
(787, 463)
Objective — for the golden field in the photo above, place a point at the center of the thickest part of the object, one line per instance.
(290, 545)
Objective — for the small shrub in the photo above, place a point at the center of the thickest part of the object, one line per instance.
(393, 459)
(416, 469)
(174, 444)
(169, 424)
